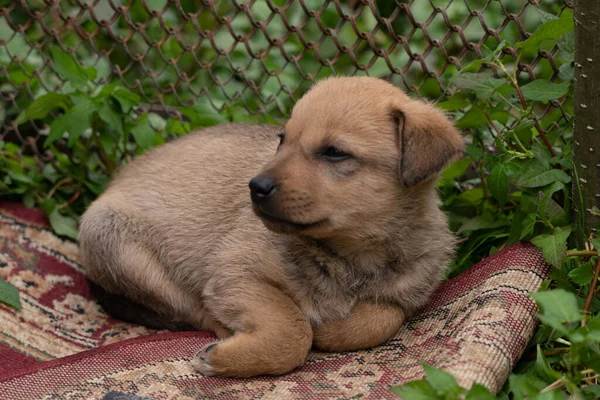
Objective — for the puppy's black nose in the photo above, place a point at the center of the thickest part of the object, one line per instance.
(261, 188)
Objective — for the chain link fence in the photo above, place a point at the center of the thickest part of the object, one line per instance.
(202, 62)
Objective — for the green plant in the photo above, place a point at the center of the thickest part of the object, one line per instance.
(9, 295)
(520, 190)
(91, 130)
(88, 130)
(440, 385)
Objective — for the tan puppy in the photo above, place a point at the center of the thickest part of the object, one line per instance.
(354, 240)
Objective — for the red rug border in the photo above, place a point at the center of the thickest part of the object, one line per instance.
(25, 215)
(45, 365)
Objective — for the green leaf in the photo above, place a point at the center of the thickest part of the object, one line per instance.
(498, 184)
(472, 119)
(112, 118)
(516, 227)
(48, 206)
(594, 390)
(524, 131)
(108, 142)
(544, 178)
(595, 211)
(79, 118)
(203, 114)
(566, 72)
(143, 133)
(543, 90)
(9, 295)
(454, 103)
(484, 221)
(42, 106)
(583, 274)
(11, 148)
(474, 151)
(97, 183)
(479, 392)
(442, 382)
(555, 394)
(482, 84)
(176, 127)
(501, 116)
(548, 208)
(20, 177)
(566, 44)
(549, 30)
(157, 122)
(126, 99)
(559, 305)
(528, 225)
(523, 386)
(416, 390)
(69, 69)
(543, 369)
(553, 245)
(455, 170)
(473, 196)
(63, 225)
(50, 173)
(21, 73)
(545, 16)
(57, 128)
(591, 330)
(530, 168)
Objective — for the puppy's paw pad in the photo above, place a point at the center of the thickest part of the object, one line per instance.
(201, 361)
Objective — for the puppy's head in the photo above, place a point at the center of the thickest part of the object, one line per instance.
(353, 150)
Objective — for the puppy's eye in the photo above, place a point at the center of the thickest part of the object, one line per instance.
(281, 139)
(333, 154)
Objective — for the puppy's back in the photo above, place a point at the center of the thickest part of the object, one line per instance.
(194, 176)
(205, 164)
(181, 198)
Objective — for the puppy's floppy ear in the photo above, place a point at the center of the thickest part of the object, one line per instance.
(427, 138)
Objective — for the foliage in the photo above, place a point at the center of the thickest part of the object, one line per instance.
(521, 190)
(514, 183)
(440, 385)
(9, 295)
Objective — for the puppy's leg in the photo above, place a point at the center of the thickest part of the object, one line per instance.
(369, 325)
(272, 336)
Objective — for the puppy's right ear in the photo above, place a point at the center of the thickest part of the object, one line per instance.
(428, 141)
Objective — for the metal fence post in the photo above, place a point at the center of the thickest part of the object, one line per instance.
(586, 149)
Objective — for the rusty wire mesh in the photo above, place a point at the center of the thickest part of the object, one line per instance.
(254, 57)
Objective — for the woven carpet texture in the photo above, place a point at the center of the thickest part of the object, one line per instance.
(61, 345)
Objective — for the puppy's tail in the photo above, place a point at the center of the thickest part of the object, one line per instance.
(123, 308)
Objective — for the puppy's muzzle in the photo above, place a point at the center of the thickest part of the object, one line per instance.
(262, 189)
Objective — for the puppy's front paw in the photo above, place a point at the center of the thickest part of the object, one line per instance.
(201, 361)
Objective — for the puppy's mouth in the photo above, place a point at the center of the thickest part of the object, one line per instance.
(278, 224)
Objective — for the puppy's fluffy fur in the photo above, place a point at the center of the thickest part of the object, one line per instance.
(349, 245)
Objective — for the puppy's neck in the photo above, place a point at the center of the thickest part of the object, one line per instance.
(392, 241)
(368, 255)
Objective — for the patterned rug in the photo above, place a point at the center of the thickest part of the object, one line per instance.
(61, 345)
